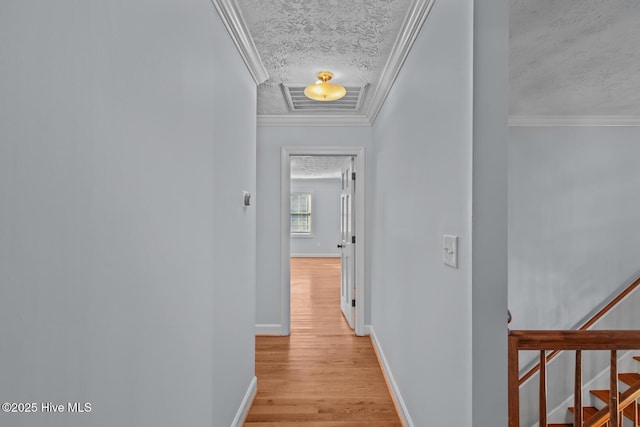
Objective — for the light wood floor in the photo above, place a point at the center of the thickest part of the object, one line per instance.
(322, 375)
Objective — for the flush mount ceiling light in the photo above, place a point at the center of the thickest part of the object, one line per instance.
(322, 90)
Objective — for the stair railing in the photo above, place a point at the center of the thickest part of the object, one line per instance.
(613, 302)
(627, 398)
(577, 341)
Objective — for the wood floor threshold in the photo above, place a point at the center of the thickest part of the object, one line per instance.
(322, 374)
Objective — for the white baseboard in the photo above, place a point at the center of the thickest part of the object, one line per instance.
(245, 406)
(267, 329)
(315, 255)
(401, 407)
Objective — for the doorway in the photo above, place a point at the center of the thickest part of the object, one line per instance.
(355, 252)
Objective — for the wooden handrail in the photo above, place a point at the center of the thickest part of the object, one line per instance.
(577, 340)
(585, 326)
(570, 340)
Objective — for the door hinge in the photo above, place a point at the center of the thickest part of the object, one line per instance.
(353, 176)
(353, 239)
(353, 303)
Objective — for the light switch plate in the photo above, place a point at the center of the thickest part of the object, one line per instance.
(450, 250)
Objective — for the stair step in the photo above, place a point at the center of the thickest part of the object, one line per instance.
(601, 394)
(604, 396)
(587, 411)
(629, 378)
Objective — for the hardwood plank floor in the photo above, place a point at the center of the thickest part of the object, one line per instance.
(322, 375)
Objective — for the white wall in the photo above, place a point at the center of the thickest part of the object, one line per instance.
(234, 228)
(270, 142)
(116, 265)
(325, 223)
(422, 148)
(574, 221)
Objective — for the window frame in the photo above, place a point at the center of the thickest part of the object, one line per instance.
(305, 234)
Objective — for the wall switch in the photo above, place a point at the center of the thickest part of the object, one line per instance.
(450, 250)
(246, 199)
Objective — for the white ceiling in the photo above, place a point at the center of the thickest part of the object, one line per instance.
(568, 57)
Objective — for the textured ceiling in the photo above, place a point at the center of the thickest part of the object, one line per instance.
(316, 167)
(567, 57)
(573, 57)
(298, 38)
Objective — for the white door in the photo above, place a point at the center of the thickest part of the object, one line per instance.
(347, 241)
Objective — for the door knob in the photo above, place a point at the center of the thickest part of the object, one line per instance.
(340, 246)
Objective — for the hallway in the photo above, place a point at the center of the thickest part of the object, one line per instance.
(322, 375)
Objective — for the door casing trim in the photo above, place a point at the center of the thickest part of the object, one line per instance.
(285, 224)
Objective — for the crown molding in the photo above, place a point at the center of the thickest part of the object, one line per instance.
(411, 26)
(313, 120)
(551, 121)
(237, 28)
(415, 18)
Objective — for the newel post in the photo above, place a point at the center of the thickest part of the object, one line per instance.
(513, 387)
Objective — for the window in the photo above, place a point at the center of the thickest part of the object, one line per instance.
(301, 213)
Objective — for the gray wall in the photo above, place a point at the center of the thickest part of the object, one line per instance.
(574, 221)
(127, 265)
(270, 142)
(574, 236)
(422, 148)
(325, 222)
(489, 225)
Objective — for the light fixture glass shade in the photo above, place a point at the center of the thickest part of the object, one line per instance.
(323, 90)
